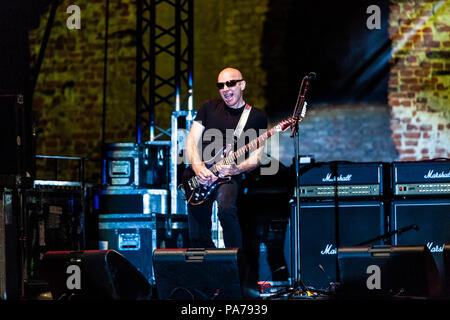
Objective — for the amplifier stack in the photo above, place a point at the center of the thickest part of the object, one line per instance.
(340, 201)
(398, 203)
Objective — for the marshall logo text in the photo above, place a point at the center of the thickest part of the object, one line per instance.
(435, 248)
(436, 175)
(340, 178)
(329, 250)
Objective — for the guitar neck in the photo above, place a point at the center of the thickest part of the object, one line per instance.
(249, 147)
(231, 157)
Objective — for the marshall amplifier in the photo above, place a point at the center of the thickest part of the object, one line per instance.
(431, 219)
(358, 222)
(353, 180)
(421, 178)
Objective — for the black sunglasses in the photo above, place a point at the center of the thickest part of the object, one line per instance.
(230, 83)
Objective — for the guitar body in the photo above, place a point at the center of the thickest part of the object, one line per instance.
(196, 194)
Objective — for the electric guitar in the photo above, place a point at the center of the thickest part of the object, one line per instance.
(196, 193)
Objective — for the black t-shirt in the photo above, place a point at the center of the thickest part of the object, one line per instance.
(220, 121)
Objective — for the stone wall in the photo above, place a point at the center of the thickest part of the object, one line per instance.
(420, 78)
(229, 34)
(68, 100)
(347, 132)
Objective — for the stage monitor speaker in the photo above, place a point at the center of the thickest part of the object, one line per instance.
(200, 274)
(402, 271)
(432, 218)
(359, 221)
(93, 275)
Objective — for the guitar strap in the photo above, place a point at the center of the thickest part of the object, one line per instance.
(242, 121)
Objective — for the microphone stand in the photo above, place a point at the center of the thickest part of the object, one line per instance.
(295, 217)
(334, 175)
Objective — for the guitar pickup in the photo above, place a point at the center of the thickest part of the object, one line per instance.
(193, 183)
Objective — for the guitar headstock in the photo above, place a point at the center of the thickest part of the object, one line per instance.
(284, 125)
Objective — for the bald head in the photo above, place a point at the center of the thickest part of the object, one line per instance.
(229, 74)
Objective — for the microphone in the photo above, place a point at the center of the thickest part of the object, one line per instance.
(312, 76)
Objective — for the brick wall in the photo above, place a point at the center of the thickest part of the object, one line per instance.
(228, 34)
(356, 132)
(68, 99)
(420, 78)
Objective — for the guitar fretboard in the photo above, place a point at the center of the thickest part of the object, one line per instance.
(251, 146)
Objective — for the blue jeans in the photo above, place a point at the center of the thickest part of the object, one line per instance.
(199, 217)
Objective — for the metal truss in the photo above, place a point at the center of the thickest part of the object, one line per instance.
(164, 61)
(165, 78)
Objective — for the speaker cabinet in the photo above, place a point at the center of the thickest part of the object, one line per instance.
(388, 271)
(200, 274)
(358, 222)
(432, 217)
(93, 275)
